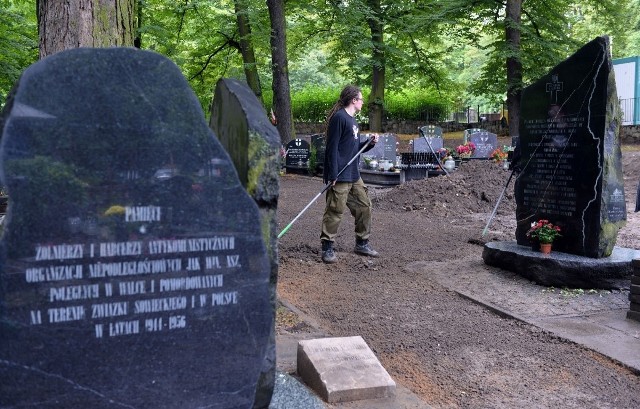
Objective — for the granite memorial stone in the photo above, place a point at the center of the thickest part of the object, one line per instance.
(570, 154)
(133, 270)
(240, 122)
(485, 142)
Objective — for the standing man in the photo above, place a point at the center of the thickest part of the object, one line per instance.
(348, 189)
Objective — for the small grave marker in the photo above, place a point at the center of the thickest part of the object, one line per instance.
(343, 369)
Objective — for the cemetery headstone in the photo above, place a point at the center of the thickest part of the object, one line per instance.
(421, 144)
(343, 369)
(298, 153)
(431, 130)
(240, 122)
(319, 144)
(570, 154)
(485, 142)
(468, 132)
(133, 272)
(385, 148)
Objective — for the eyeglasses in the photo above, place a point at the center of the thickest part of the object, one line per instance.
(359, 99)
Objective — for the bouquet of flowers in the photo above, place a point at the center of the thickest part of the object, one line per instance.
(498, 155)
(543, 231)
(466, 150)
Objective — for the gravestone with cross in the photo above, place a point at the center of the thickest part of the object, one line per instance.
(570, 154)
(430, 138)
(133, 271)
(384, 149)
(485, 143)
(298, 152)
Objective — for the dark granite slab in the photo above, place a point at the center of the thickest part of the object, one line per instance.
(133, 269)
(570, 154)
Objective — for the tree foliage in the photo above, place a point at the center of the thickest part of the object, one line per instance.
(18, 42)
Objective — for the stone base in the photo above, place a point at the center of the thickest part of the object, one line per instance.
(380, 177)
(561, 269)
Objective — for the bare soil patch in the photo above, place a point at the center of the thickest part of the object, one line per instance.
(451, 352)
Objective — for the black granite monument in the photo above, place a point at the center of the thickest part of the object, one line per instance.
(570, 154)
(133, 270)
(240, 122)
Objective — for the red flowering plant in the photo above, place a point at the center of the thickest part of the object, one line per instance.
(466, 150)
(543, 231)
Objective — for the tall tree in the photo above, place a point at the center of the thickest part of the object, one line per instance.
(280, 69)
(514, 64)
(376, 97)
(85, 23)
(18, 42)
(246, 48)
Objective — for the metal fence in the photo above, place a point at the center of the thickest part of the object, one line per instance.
(460, 113)
(630, 111)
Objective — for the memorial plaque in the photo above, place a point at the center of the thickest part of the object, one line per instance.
(570, 154)
(298, 153)
(133, 269)
(343, 369)
(485, 142)
(385, 148)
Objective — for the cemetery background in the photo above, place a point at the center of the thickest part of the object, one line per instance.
(448, 350)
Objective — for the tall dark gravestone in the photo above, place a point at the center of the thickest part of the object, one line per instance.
(571, 159)
(133, 269)
(241, 124)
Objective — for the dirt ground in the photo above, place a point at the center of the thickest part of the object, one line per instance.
(448, 350)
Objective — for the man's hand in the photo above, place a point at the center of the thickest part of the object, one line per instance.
(374, 137)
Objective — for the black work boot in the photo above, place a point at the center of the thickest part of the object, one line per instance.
(328, 255)
(363, 247)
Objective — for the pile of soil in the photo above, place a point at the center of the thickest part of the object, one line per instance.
(451, 352)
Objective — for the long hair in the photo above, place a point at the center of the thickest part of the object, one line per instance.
(348, 93)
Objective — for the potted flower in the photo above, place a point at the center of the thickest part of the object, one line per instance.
(545, 233)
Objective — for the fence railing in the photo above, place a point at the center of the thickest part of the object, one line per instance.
(444, 113)
(630, 111)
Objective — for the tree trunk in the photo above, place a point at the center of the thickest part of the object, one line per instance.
(85, 23)
(246, 48)
(280, 68)
(514, 64)
(376, 97)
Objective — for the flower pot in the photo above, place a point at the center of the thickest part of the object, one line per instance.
(545, 248)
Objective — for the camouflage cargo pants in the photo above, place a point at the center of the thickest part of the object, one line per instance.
(340, 197)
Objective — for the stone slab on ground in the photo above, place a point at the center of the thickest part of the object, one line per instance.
(343, 369)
